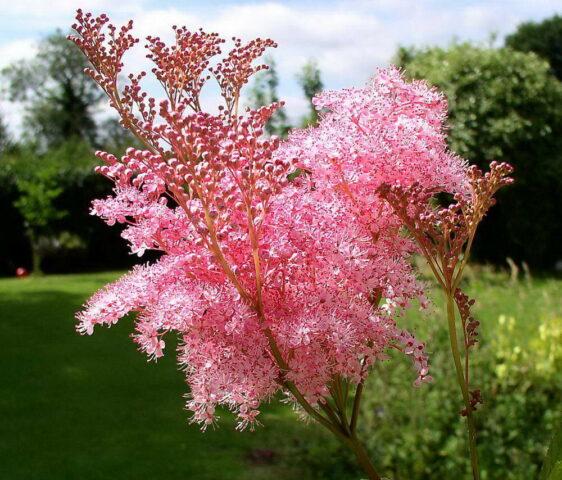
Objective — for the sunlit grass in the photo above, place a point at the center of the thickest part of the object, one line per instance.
(92, 408)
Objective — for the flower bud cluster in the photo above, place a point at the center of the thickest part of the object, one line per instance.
(182, 69)
(271, 284)
(233, 72)
(104, 50)
(443, 233)
(445, 236)
(469, 324)
(474, 400)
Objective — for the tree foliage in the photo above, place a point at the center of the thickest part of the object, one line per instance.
(5, 140)
(505, 105)
(310, 80)
(59, 99)
(264, 92)
(38, 182)
(46, 178)
(543, 38)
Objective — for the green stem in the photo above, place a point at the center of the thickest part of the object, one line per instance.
(356, 405)
(330, 413)
(463, 385)
(339, 429)
(363, 458)
(337, 395)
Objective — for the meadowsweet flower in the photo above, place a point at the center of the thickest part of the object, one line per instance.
(282, 266)
(381, 152)
(266, 281)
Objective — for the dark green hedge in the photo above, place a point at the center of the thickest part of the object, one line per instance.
(506, 106)
(102, 246)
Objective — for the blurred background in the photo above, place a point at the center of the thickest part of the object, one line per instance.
(91, 408)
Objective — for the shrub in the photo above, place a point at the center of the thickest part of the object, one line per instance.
(518, 364)
(505, 105)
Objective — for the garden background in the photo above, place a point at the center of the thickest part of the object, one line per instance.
(91, 408)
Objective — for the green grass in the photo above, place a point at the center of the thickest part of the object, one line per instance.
(79, 407)
(88, 408)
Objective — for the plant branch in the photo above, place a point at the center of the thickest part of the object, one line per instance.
(462, 384)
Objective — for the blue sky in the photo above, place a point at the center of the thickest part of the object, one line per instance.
(349, 39)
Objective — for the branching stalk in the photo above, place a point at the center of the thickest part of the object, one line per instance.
(462, 381)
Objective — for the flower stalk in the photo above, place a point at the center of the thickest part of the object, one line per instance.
(462, 380)
(445, 237)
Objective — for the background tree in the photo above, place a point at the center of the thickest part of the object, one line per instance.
(310, 80)
(505, 106)
(114, 138)
(5, 140)
(46, 177)
(39, 181)
(59, 99)
(403, 56)
(543, 38)
(264, 92)
(38, 189)
(36, 205)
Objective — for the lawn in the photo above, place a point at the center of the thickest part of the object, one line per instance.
(90, 408)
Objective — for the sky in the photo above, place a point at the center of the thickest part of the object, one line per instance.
(348, 39)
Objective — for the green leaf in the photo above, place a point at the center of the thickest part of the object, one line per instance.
(552, 467)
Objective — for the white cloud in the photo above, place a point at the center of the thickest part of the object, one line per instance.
(347, 45)
(12, 115)
(16, 50)
(344, 42)
(59, 13)
(349, 39)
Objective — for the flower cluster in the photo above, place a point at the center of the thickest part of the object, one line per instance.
(389, 133)
(445, 237)
(273, 282)
(469, 324)
(444, 233)
(380, 153)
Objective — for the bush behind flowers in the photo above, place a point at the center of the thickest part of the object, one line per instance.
(518, 363)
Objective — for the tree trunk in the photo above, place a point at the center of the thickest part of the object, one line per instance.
(36, 257)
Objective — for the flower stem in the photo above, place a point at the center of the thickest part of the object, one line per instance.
(363, 458)
(356, 405)
(462, 381)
